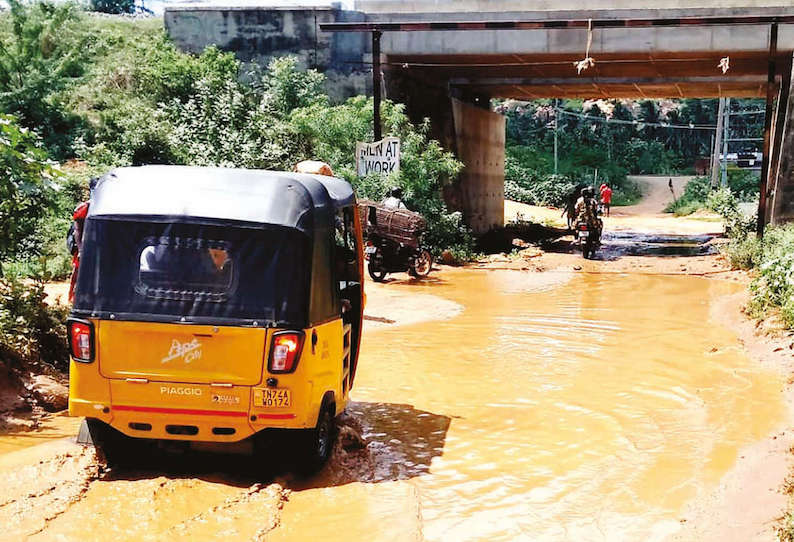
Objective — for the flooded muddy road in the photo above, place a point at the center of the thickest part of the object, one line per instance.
(542, 406)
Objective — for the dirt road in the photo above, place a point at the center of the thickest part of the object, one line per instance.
(615, 404)
(638, 239)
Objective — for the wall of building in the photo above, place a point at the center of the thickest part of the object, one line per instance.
(257, 35)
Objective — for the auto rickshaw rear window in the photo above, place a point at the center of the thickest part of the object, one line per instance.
(182, 268)
(149, 269)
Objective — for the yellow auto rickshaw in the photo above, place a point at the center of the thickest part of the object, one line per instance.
(212, 304)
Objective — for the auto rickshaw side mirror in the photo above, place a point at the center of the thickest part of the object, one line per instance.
(372, 216)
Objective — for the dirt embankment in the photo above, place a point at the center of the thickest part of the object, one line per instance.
(30, 390)
(29, 393)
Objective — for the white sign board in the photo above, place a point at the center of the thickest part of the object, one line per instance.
(381, 157)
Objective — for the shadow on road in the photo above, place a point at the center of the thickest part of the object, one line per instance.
(378, 442)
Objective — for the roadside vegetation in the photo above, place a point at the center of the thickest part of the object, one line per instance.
(604, 141)
(102, 92)
(742, 184)
(82, 94)
(770, 259)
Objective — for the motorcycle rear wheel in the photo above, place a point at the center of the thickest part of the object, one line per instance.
(423, 263)
(588, 249)
(377, 273)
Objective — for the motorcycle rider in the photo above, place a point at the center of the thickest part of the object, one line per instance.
(395, 199)
(586, 210)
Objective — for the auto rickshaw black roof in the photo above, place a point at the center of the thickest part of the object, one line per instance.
(238, 195)
(260, 215)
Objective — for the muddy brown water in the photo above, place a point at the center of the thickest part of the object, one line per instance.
(552, 407)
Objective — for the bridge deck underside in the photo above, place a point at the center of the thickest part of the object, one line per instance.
(640, 75)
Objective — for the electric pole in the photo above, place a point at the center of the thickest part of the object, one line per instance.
(725, 137)
(556, 116)
(715, 158)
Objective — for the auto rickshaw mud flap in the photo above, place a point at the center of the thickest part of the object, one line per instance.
(84, 437)
(112, 446)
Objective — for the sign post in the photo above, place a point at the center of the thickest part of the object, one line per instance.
(381, 157)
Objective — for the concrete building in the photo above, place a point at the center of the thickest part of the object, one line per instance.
(450, 75)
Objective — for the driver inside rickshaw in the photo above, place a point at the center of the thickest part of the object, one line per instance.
(194, 266)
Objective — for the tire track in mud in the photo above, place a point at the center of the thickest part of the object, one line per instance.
(130, 505)
(39, 493)
(234, 517)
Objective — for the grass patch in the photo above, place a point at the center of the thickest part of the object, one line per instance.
(628, 193)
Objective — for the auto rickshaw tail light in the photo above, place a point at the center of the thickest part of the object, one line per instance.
(285, 351)
(81, 340)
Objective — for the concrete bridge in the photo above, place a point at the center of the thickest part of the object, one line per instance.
(446, 59)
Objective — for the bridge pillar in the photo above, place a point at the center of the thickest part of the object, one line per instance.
(782, 204)
(467, 127)
(480, 144)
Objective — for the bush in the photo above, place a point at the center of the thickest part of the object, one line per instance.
(626, 193)
(742, 187)
(725, 203)
(140, 100)
(744, 183)
(743, 252)
(27, 189)
(774, 285)
(30, 329)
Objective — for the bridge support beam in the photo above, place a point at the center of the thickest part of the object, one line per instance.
(480, 142)
(782, 173)
(464, 124)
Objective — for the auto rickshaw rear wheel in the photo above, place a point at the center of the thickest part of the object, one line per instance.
(114, 447)
(318, 443)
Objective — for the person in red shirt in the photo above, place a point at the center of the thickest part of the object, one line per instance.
(606, 197)
(74, 241)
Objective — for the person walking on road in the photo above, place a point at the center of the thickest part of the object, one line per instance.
(606, 197)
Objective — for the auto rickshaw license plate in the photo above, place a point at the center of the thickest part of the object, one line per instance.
(276, 398)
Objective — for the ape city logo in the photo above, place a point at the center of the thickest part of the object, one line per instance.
(188, 351)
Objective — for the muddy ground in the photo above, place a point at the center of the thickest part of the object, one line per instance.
(52, 488)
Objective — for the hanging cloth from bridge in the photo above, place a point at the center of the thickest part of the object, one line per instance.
(588, 61)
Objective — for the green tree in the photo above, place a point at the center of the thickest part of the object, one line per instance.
(27, 188)
(40, 56)
(331, 132)
(287, 87)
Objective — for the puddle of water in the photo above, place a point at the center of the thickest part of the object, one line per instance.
(639, 244)
(592, 411)
(51, 428)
